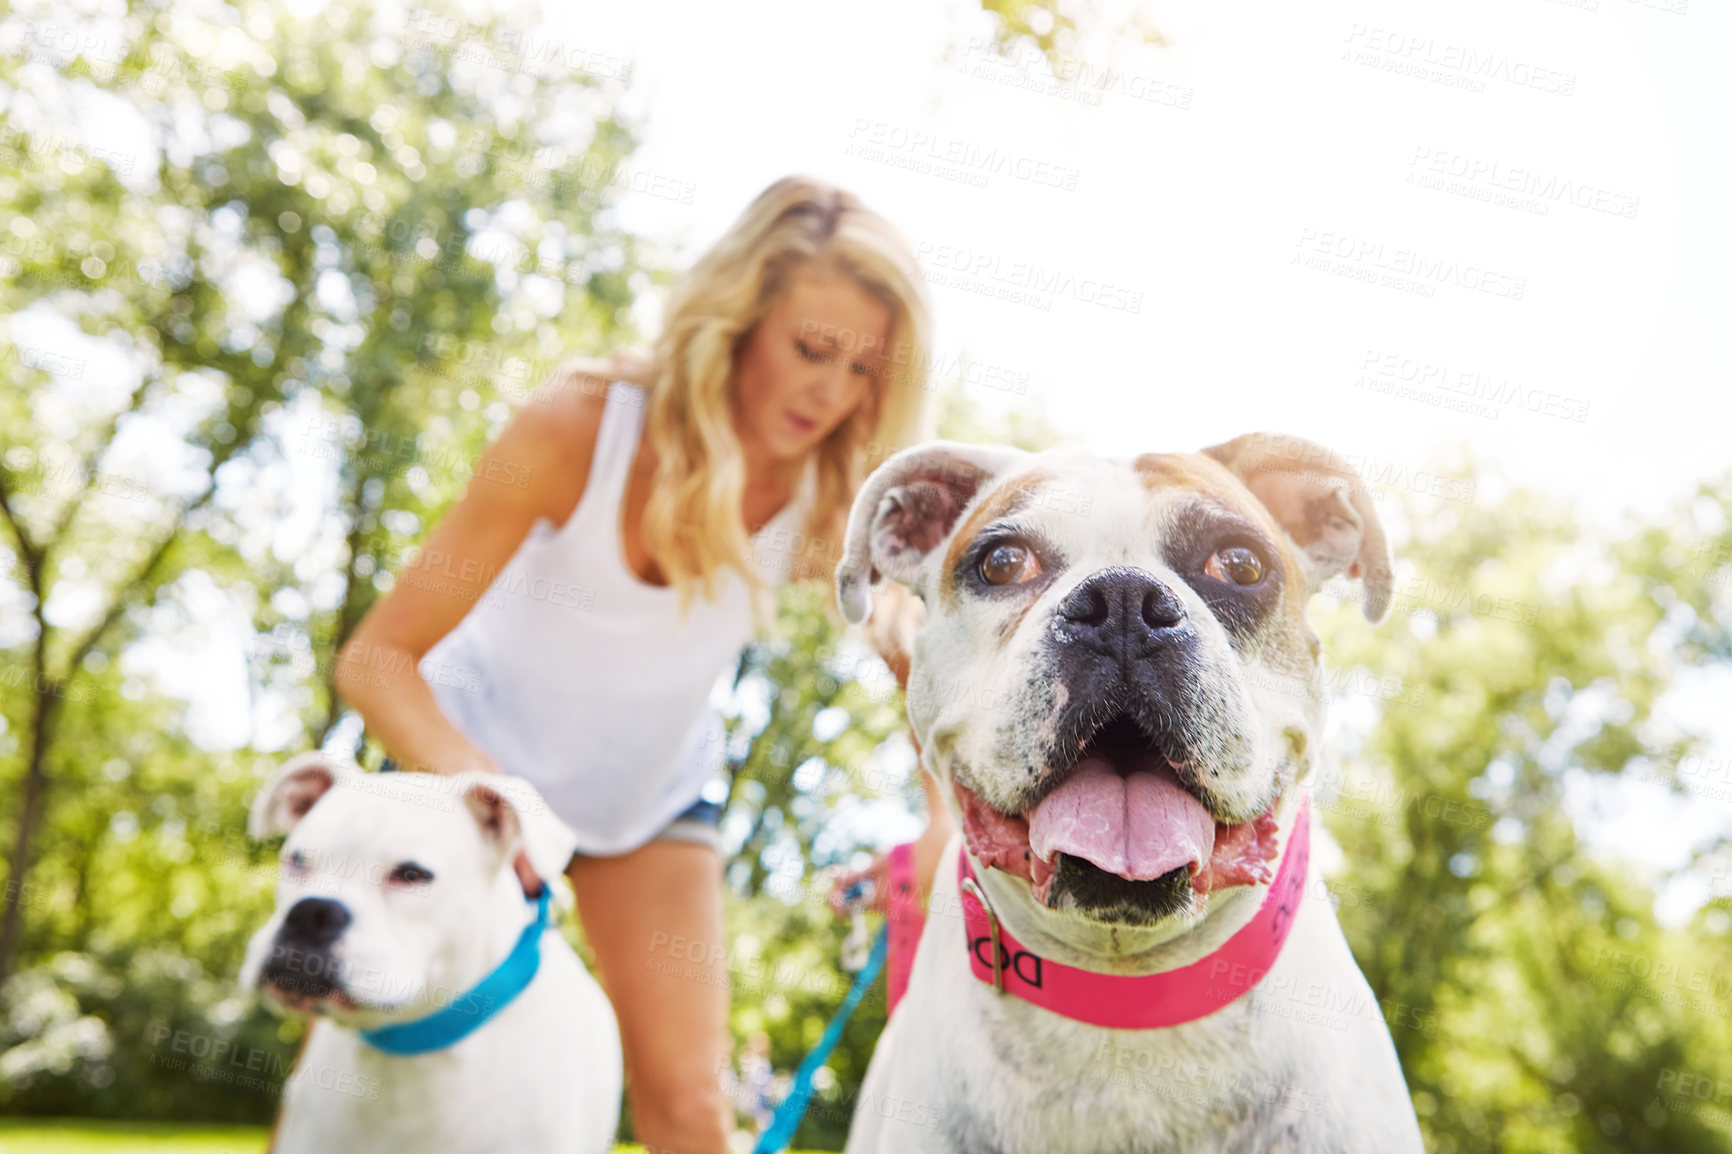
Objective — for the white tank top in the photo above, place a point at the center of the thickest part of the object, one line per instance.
(575, 674)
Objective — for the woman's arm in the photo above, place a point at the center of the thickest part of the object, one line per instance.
(537, 467)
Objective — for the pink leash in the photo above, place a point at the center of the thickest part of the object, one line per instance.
(905, 920)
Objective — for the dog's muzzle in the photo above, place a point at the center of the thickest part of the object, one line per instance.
(302, 964)
(1121, 826)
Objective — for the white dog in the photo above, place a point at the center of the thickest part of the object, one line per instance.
(1118, 689)
(457, 1021)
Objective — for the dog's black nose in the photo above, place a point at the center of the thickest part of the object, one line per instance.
(315, 921)
(1121, 611)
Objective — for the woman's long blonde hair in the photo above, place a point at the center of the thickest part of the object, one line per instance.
(692, 525)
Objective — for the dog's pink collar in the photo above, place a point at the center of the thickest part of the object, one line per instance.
(1149, 1001)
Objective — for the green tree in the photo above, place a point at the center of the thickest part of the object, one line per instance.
(1528, 650)
(334, 252)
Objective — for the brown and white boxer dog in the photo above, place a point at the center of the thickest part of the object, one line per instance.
(1117, 687)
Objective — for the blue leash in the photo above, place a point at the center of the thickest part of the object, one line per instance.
(780, 1131)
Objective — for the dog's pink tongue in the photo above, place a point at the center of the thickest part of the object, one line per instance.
(1138, 826)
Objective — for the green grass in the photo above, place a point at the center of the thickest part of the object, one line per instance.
(73, 1136)
(54, 1136)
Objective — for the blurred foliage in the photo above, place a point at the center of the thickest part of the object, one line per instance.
(1535, 1002)
(339, 243)
(346, 253)
(1053, 27)
(1082, 47)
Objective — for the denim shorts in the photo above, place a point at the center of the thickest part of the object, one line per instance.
(699, 823)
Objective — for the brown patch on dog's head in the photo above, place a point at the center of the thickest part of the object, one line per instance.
(1192, 471)
(1202, 474)
(1323, 507)
(1001, 502)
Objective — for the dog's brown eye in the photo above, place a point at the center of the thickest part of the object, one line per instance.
(1236, 564)
(410, 874)
(1009, 565)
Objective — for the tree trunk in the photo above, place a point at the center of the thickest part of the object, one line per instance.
(29, 817)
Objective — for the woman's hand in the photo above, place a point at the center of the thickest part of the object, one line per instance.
(526, 875)
(878, 870)
(473, 760)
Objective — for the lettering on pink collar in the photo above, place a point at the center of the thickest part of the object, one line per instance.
(1149, 1001)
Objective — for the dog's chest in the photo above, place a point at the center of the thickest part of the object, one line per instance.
(1120, 1092)
(1000, 1076)
(1194, 1112)
(519, 1084)
(349, 1093)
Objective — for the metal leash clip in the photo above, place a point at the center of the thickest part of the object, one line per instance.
(857, 946)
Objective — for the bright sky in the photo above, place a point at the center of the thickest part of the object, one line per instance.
(1191, 178)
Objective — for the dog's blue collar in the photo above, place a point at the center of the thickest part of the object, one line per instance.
(475, 1007)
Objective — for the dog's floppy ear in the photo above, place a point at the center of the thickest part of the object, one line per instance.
(512, 816)
(293, 789)
(906, 509)
(1318, 498)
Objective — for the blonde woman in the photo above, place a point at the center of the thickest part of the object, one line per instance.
(568, 617)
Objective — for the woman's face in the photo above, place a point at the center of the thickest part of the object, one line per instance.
(809, 363)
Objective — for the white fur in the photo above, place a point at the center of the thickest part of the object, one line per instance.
(544, 1074)
(1304, 1063)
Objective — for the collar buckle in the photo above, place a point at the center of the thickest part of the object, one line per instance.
(970, 886)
